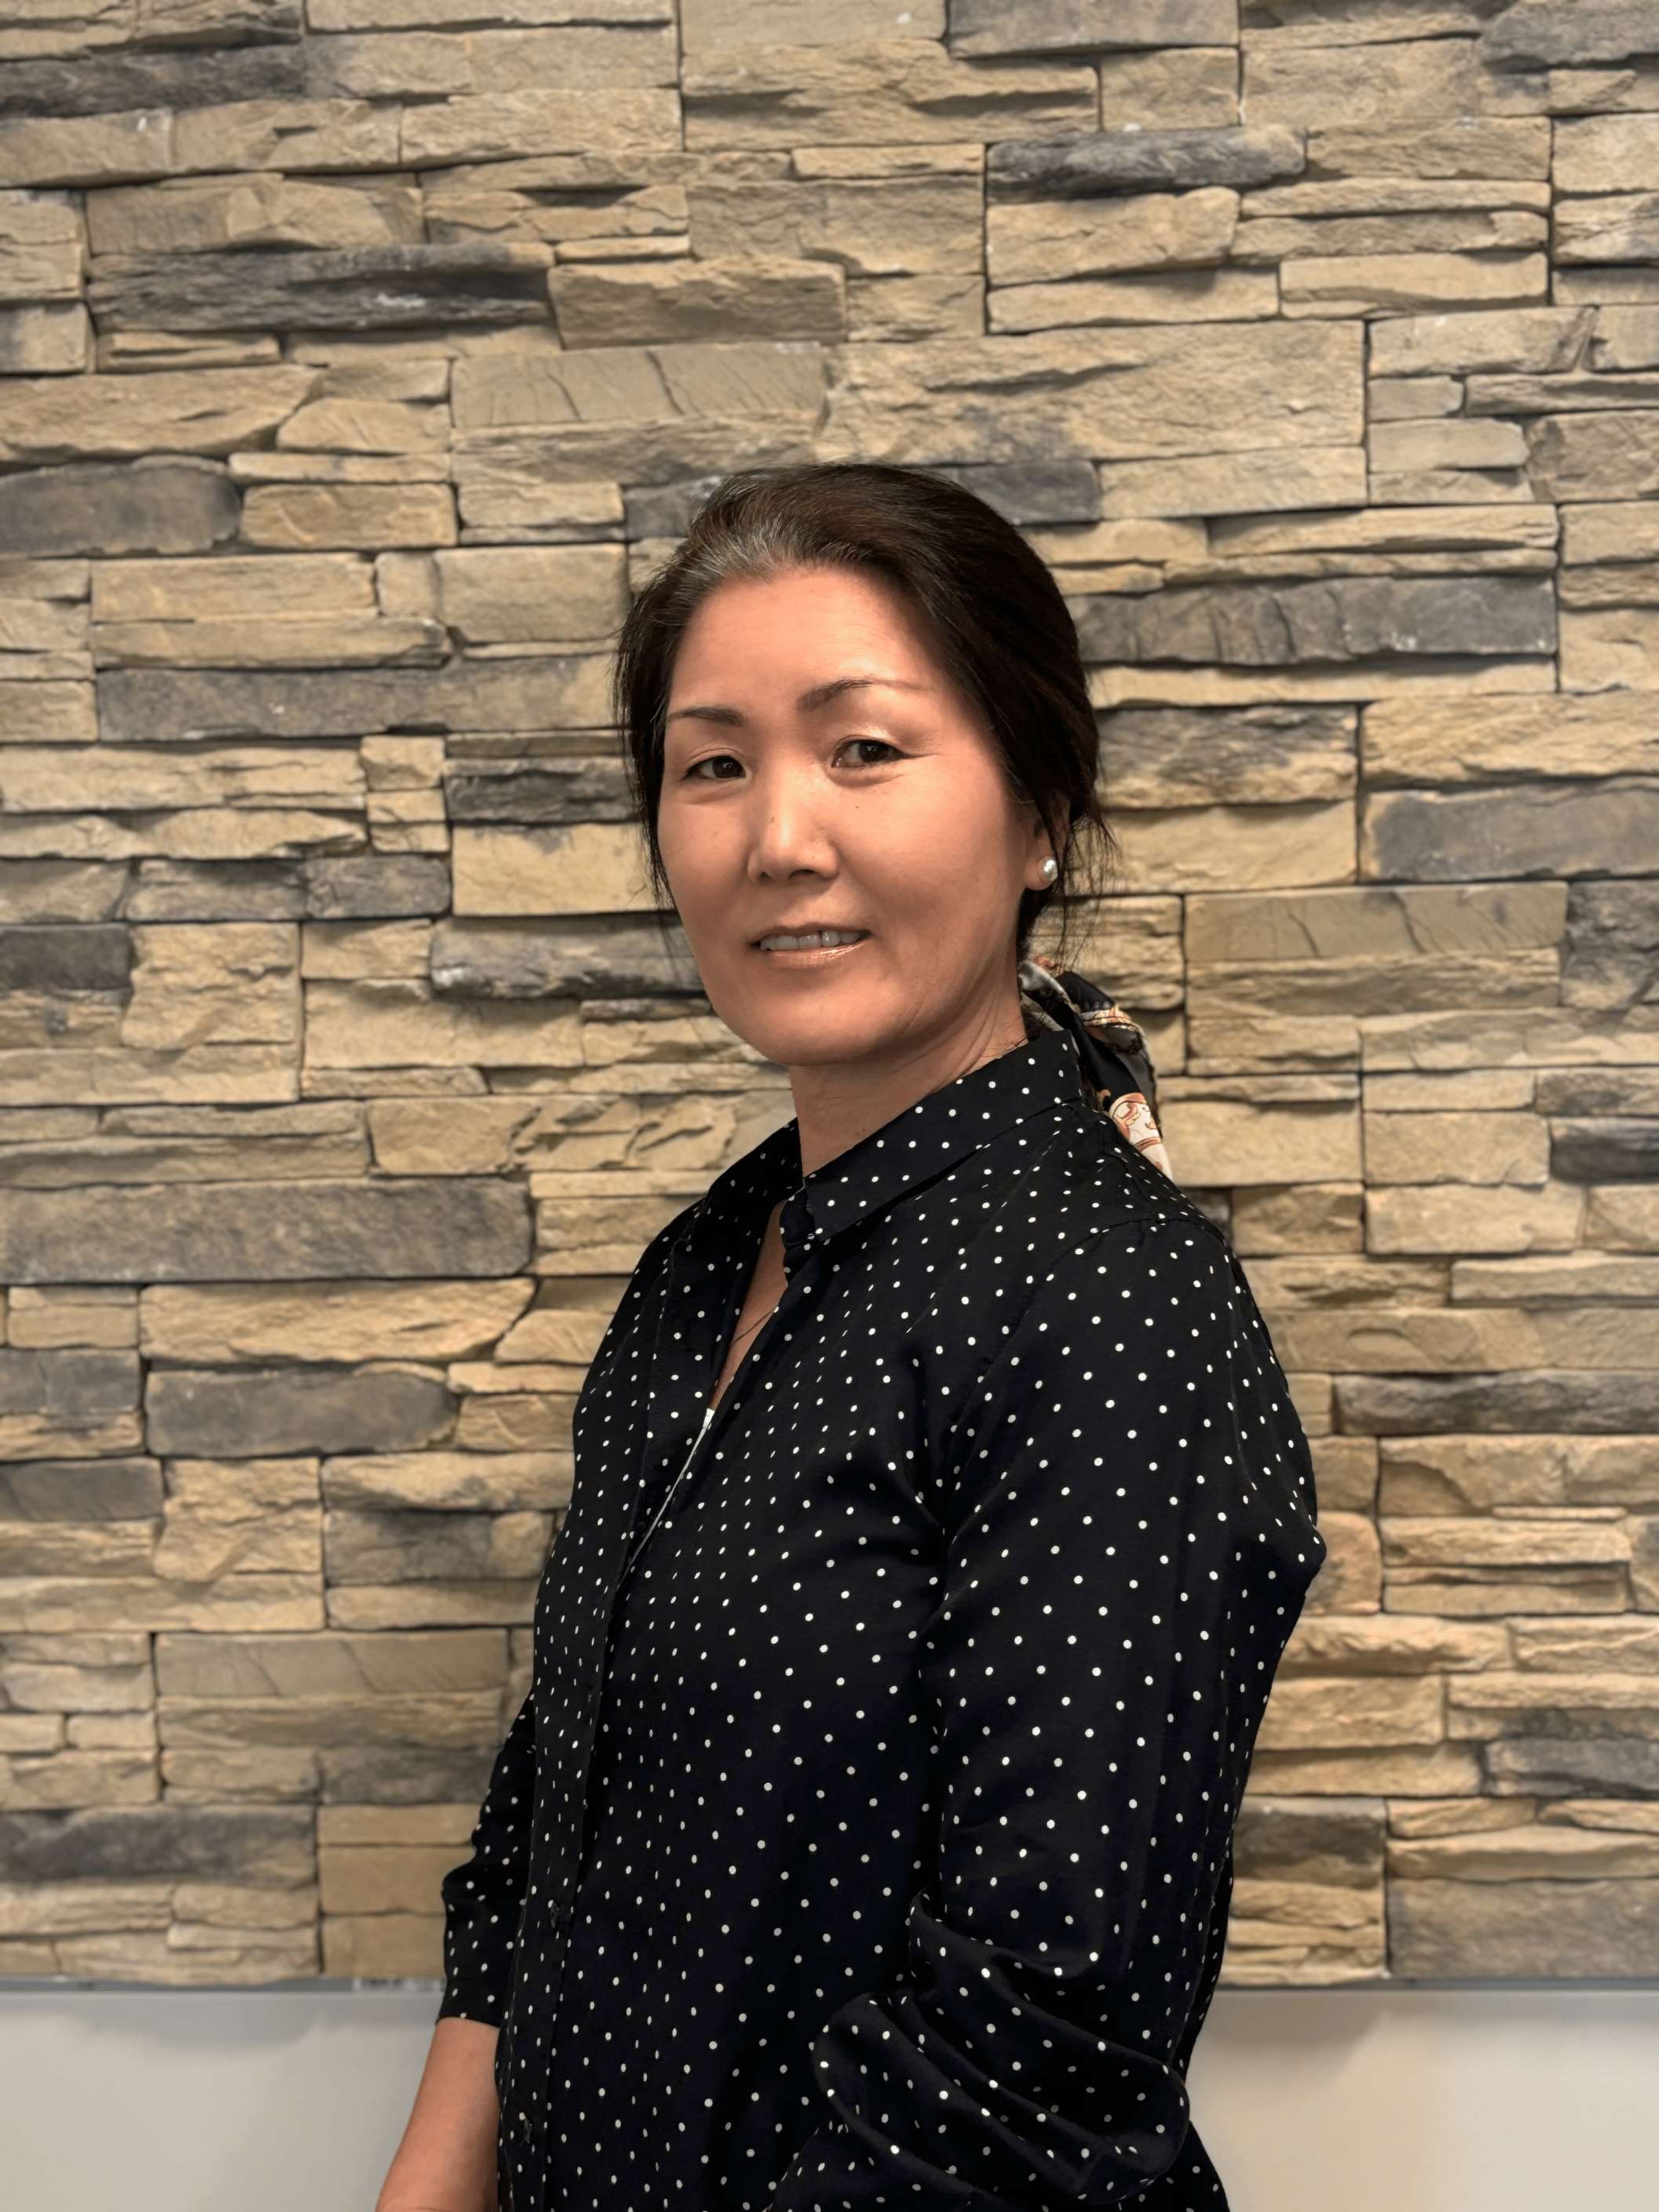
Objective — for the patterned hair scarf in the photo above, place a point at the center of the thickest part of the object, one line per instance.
(1113, 1062)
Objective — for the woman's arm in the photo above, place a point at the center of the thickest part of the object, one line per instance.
(1130, 1517)
(446, 2160)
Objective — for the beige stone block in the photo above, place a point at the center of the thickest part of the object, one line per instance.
(1153, 684)
(569, 597)
(353, 948)
(1237, 849)
(1472, 530)
(447, 62)
(275, 586)
(356, 424)
(1220, 1142)
(1610, 649)
(496, 126)
(1606, 154)
(239, 1517)
(1173, 88)
(1439, 1339)
(72, 1314)
(1276, 479)
(394, 1024)
(52, 1604)
(1118, 394)
(593, 867)
(226, 983)
(683, 302)
(1181, 295)
(1475, 1475)
(1352, 1713)
(297, 641)
(1395, 283)
(1464, 145)
(1539, 341)
(534, 1481)
(286, 135)
(86, 149)
(631, 387)
(918, 214)
(1462, 1219)
(1462, 1148)
(1408, 83)
(194, 411)
(1623, 1217)
(1399, 447)
(211, 214)
(1430, 231)
(897, 91)
(1412, 399)
(222, 1324)
(45, 341)
(1040, 241)
(1498, 740)
(301, 517)
(1391, 926)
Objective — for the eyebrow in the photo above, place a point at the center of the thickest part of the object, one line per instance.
(815, 696)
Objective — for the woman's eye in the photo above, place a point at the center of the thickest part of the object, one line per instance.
(712, 760)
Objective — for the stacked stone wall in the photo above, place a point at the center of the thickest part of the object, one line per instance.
(357, 357)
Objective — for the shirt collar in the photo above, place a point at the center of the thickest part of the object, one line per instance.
(919, 1143)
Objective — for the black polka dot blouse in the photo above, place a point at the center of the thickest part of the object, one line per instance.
(865, 1837)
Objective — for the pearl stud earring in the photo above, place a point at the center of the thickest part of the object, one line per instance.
(1050, 869)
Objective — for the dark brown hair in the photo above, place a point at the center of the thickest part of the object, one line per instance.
(1000, 629)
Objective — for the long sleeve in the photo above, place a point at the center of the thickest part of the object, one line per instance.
(482, 1895)
(1129, 1528)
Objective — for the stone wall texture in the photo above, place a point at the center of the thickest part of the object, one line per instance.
(358, 357)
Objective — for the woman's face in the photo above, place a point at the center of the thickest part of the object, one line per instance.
(794, 799)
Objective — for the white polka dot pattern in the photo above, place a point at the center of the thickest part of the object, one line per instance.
(865, 1838)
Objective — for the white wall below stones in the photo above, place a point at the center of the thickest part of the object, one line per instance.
(1523, 2099)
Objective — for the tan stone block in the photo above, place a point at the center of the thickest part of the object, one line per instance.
(1498, 740)
(528, 1481)
(1222, 1141)
(1541, 341)
(295, 641)
(1462, 1148)
(45, 341)
(51, 1603)
(1439, 1339)
(1610, 649)
(586, 868)
(1152, 684)
(1623, 1218)
(211, 214)
(1399, 447)
(1408, 83)
(1235, 484)
(494, 127)
(1395, 283)
(1181, 295)
(228, 983)
(71, 1314)
(384, 1946)
(350, 949)
(302, 516)
(1030, 242)
(1606, 154)
(236, 1517)
(1473, 1217)
(390, 1025)
(1464, 145)
(1352, 1713)
(1320, 1218)
(362, 425)
(195, 411)
(225, 1323)
(683, 302)
(275, 586)
(892, 91)
(566, 595)
(1472, 1475)
(288, 135)
(1176, 88)
(86, 149)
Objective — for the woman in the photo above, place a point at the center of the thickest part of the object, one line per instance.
(939, 1513)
